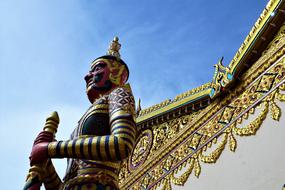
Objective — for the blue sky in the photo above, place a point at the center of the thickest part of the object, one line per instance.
(46, 48)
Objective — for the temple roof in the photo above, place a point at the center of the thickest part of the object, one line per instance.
(225, 77)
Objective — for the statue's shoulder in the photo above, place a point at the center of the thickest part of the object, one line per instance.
(122, 91)
(122, 98)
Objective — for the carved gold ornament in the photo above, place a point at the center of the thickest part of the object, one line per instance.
(141, 149)
(207, 144)
(203, 136)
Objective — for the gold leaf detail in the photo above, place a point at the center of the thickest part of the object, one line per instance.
(213, 156)
(166, 185)
(252, 110)
(280, 97)
(254, 125)
(275, 111)
(282, 86)
(232, 142)
(245, 116)
(197, 168)
(183, 178)
(239, 120)
(215, 140)
(209, 144)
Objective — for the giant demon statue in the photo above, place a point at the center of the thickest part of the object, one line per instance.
(105, 134)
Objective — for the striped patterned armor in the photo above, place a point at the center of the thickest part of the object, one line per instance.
(105, 135)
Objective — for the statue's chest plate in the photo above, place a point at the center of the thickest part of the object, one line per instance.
(96, 120)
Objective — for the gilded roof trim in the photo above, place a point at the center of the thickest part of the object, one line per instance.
(169, 105)
(263, 19)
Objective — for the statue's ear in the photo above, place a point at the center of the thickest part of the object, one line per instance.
(124, 76)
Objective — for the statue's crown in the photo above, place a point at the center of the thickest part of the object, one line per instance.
(114, 48)
(113, 54)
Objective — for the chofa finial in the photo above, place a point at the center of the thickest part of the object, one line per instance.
(114, 48)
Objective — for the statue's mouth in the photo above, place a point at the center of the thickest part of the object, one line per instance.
(98, 77)
(91, 83)
(106, 87)
(93, 80)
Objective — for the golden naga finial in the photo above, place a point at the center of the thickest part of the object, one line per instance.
(114, 48)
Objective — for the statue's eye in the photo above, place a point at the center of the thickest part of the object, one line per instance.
(99, 66)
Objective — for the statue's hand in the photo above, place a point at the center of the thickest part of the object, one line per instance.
(39, 150)
(44, 136)
(39, 153)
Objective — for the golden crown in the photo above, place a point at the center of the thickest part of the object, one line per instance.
(114, 48)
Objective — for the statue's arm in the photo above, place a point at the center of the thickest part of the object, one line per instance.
(116, 146)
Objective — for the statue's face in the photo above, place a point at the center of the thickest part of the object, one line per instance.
(98, 80)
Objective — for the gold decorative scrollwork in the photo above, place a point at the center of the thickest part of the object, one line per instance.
(167, 184)
(141, 149)
(228, 137)
(213, 156)
(268, 104)
(183, 178)
(240, 108)
(232, 142)
(123, 171)
(167, 130)
(254, 97)
(253, 126)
